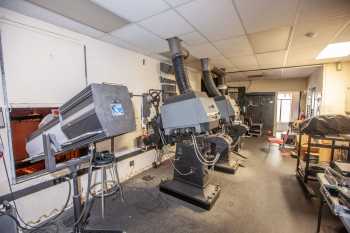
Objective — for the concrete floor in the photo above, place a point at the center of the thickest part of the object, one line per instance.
(263, 197)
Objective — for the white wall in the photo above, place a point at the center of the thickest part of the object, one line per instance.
(316, 81)
(334, 89)
(105, 63)
(275, 85)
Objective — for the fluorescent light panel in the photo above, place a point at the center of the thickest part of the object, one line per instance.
(335, 50)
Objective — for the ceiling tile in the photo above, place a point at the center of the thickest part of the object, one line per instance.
(318, 9)
(175, 24)
(272, 74)
(231, 68)
(203, 51)
(245, 62)
(175, 3)
(271, 60)
(84, 12)
(34, 11)
(299, 72)
(141, 38)
(232, 77)
(344, 35)
(271, 40)
(254, 73)
(120, 43)
(304, 56)
(193, 38)
(324, 29)
(237, 46)
(220, 62)
(217, 21)
(133, 10)
(266, 14)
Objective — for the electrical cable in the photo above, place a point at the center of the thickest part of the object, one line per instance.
(178, 171)
(87, 194)
(15, 204)
(162, 137)
(200, 157)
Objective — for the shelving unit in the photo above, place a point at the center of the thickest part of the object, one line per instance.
(307, 169)
(256, 129)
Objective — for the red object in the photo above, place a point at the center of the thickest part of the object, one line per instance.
(279, 141)
(274, 140)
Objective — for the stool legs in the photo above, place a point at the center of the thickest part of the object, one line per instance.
(104, 187)
(107, 185)
(118, 181)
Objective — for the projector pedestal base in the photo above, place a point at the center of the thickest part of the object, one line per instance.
(202, 197)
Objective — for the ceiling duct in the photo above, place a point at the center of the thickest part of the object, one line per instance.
(178, 55)
(208, 79)
(221, 75)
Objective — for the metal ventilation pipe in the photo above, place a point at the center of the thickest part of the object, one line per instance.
(208, 80)
(220, 73)
(178, 54)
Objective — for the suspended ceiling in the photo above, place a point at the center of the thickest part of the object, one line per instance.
(238, 35)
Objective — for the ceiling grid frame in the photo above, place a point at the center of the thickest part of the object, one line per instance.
(204, 36)
(244, 29)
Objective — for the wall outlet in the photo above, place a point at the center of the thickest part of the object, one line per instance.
(132, 163)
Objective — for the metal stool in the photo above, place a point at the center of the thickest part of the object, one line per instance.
(105, 161)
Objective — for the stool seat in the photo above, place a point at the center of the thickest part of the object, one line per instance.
(102, 159)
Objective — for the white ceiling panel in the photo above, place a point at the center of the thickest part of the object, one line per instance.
(84, 12)
(231, 77)
(120, 43)
(344, 35)
(220, 62)
(231, 68)
(216, 20)
(263, 15)
(271, 60)
(304, 56)
(324, 29)
(299, 72)
(271, 40)
(133, 10)
(175, 3)
(318, 9)
(237, 46)
(32, 10)
(141, 38)
(245, 62)
(203, 51)
(193, 38)
(254, 73)
(272, 74)
(167, 24)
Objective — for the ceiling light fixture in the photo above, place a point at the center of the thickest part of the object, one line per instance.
(334, 50)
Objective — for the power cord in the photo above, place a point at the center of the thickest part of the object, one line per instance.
(27, 226)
